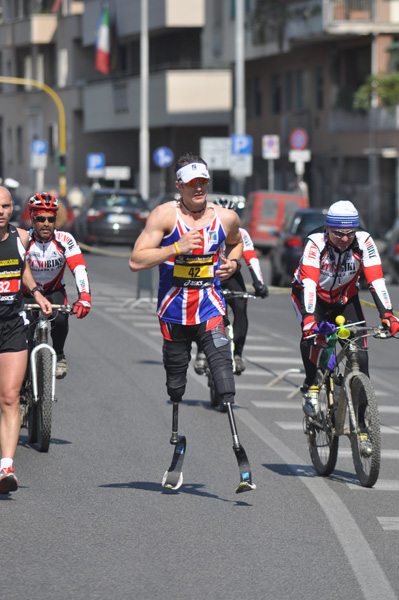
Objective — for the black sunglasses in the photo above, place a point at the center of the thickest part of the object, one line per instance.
(44, 219)
(341, 234)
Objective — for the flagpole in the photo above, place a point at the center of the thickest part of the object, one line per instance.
(144, 132)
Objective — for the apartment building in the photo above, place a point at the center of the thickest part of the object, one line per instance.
(303, 62)
(54, 41)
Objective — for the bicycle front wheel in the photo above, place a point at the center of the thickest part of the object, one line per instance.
(45, 404)
(323, 444)
(366, 454)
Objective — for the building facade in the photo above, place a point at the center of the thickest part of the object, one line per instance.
(304, 61)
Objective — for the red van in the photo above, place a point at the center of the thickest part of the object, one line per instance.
(264, 215)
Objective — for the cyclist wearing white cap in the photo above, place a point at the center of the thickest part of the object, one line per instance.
(326, 284)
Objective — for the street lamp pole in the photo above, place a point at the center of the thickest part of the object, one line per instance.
(144, 148)
(239, 109)
(61, 120)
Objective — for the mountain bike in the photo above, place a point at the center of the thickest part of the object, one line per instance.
(214, 396)
(347, 406)
(38, 390)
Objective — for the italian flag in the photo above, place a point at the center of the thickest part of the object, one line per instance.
(103, 43)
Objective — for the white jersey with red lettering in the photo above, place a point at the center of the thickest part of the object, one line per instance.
(48, 259)
(249, 254)
(332, 276)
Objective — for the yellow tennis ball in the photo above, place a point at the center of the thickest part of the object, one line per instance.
(340, 320)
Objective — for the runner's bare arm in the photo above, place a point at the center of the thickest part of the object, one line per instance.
(234, 244)
(147, 253)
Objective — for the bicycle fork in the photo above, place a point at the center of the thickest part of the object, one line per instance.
(343, 406)
(34, 352)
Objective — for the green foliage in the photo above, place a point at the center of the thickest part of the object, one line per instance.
(385, 85)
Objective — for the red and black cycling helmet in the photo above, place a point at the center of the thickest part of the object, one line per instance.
(42, 202)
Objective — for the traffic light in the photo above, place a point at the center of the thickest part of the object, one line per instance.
(62, 163)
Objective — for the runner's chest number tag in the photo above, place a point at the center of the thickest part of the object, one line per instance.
(193, 271)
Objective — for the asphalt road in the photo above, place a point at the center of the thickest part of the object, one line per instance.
(91, 520)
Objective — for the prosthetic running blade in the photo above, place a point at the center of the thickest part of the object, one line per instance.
(173, 477)
(245, 484)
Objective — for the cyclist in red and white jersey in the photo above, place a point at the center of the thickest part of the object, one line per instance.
(48, 253)
(326, 285)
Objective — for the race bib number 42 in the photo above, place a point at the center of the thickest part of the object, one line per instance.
(193, 271)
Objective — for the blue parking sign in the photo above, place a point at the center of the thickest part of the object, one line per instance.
(39, 147)
(241, 144)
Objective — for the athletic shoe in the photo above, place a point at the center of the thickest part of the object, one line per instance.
(365, 445)
(240, 367)
(8, 481)
(200, 363)
(61, 369)
(310, 401)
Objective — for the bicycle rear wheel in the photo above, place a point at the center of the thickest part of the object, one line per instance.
(322, 443)
(45, 405)
(367, 464)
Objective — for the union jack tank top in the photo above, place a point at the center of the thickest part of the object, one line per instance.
(189, 292)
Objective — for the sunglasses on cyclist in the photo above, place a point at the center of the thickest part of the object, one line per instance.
(44, 219)
(340, 234)
(198, 181)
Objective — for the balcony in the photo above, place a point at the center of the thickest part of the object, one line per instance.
(385, 119)
(177, 98)
(163, 14)
(36, 29)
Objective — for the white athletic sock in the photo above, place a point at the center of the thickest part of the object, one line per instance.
(5, 463)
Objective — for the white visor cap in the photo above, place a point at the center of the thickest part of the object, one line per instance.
(192, 171)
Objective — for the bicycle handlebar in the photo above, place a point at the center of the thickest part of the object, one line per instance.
(236, 294)
(64, 308)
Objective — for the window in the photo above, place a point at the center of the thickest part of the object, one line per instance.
(247, 7)
(20, 145)
(52, 139)
(40, 67)
(288, 91)
(319, 84)
(10, 150)
(257, 97)
(62, 67)
(276, 94)
(299, 90)
(28, 71)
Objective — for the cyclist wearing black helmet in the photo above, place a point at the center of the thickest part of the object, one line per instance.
(49, 251)
(238, 305)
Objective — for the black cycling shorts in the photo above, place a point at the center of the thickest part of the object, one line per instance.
(13, 335)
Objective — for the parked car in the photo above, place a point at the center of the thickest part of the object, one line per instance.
(265, 214)
(389, 252)
(112, 215)
(65, 216)
(285, 255)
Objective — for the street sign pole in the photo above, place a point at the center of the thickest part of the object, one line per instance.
(270, 152)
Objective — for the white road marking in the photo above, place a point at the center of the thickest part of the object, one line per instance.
(383, 485)
(370, 576)
(274, 359)
(389, 523)
(263, 387)
(347, 453)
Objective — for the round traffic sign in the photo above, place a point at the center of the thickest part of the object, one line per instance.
(163, 156)
(298, 139)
